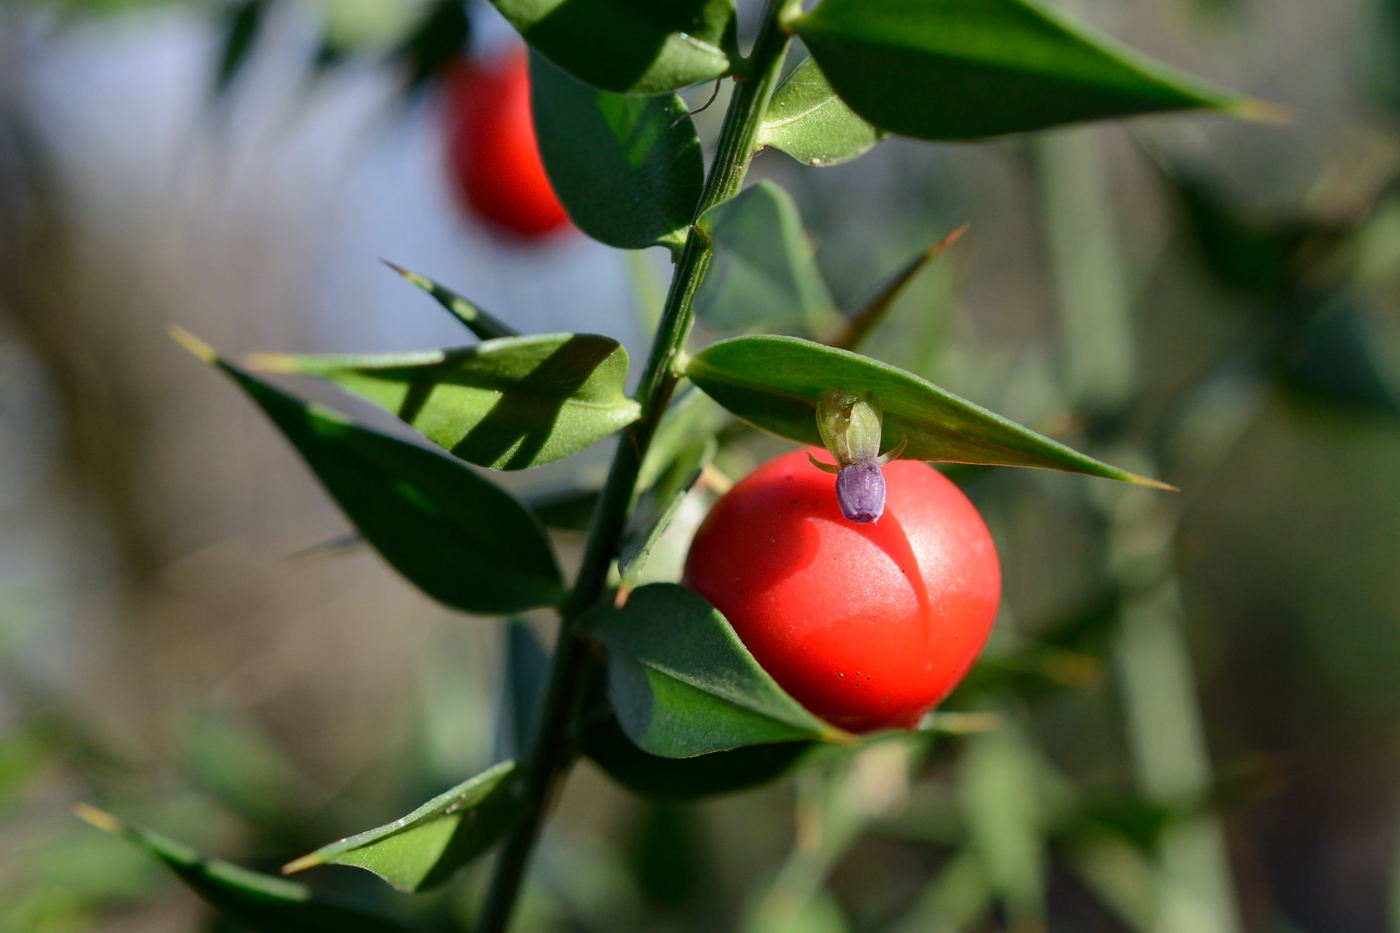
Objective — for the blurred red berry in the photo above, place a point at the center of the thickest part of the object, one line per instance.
(494, 163)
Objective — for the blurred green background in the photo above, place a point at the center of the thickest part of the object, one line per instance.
(1197, 696)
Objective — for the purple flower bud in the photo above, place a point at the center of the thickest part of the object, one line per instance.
(860, 491)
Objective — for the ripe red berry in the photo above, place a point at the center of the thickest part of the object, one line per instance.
(491, 152)
(867, 625)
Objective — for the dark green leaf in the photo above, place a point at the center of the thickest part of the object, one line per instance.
(687, 778)
(568, 509)
(1328, 352)
(478, 321)
(262, 903)
(241, 30)
(458, 537)
(630, 46)
(628, 170)
(809, 122)
(874, 311)
(526, 665)
(683, 684)
(762, 270)
(439, 39)
(659, 506)
(1240, 253)
(773, 383)
(508, 404)
(964, 69)
(425, 848)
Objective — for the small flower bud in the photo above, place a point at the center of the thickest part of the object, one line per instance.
(849, 426)
(860, 491)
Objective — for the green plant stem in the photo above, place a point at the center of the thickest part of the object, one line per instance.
(550, 754)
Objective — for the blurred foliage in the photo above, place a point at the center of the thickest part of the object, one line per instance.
(1266, 385)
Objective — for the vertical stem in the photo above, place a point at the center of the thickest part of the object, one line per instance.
(549, 755)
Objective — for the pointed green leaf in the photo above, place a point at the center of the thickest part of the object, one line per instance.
(628, 170)
(630, 46)
(478, 321)
(683, 779)
(425, 848)
(508, 404)
(242, 24)
(659, 506)
(458, 537)
(774, 382)
(808, 121)
(437, 41)
(965, 69)
(261, 902)
(762, 270)
(874, 311)
(683, 684)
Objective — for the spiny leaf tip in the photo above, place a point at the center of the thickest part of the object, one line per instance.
(98, 818)
(302, 864)
(201, 350)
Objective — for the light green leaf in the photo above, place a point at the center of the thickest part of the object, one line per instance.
(508, 404)
(692, 417)
(682, 684)
(261, 902)
(808, 121)
(773, 383)
(658, 506)
(425, 848)
(478, 321)
(455, 535)
(965, 69)
(762, 270)
(628, 170)
(630, 46)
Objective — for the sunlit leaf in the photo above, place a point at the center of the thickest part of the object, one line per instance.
(508, 404)
(628, 170)
(682, 683)
(629, 46)
(457, 536)
(762, 270)
(261, 902)
(423, 849)
(808, 121)
(477, 321)
(964, 69)
(774, 382)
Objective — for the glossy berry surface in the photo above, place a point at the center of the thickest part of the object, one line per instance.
(867, 625)
(492, 157)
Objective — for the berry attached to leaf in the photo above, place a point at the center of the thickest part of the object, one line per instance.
(867, 625)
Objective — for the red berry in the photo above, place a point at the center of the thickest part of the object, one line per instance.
(867, 625)
(491, 152)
